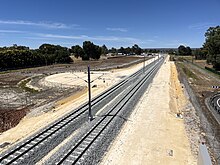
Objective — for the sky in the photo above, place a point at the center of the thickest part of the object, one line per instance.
(115, 23)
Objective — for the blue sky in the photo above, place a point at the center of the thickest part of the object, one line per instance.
(115, 23)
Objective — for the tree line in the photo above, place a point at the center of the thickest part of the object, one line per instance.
(135, 49)
(15, 56)
(210, 51)
(89, 50)
(22, 57)
(198, 53)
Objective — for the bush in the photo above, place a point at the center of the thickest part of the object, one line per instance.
(212, 70)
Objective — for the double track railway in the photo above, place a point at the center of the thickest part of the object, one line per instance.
(35, 147)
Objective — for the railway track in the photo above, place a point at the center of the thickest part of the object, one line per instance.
(38, 145)
(77, 153)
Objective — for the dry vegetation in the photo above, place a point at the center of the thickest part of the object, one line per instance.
(200, 81)
(16, 96)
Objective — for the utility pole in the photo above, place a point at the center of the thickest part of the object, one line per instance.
(144, 64)
(89, 91)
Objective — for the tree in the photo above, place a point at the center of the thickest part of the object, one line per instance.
(91, 51)
(77, 51)
(88, 48)
(113, 50)
(47, 49)
(153, 51)
(136, 49)
(188, 51)
(104, 49)
(212, 45)
(128, 50)
(200, 54)
(62, 56)
(96, 52)
(182, 50)
(121, 50)
(54, 54)
(171, 52)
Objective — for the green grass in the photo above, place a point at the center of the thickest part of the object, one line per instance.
(184, 58)
(187, 71)
(189, 59)
(23, 86)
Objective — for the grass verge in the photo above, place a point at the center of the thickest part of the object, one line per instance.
(187, 71)
(23, 86)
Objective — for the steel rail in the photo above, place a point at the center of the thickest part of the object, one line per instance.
(46, 133)
(101, 125)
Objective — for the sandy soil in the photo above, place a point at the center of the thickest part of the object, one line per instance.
(102, 79)
(154, 134)
(29, 125)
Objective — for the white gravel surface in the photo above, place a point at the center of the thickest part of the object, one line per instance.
(30, 125)
(153, 134)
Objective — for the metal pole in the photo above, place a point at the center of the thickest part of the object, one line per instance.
(89, 90)
(144, 64)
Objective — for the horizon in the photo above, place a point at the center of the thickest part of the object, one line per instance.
(157, 48)
(152, 24)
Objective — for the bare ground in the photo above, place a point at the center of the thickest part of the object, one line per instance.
(34, 95)
(158, 129)
(199, 84)
(38, 117)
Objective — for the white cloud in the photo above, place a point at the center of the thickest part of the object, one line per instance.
(52, 25)
(11, 31)
(85, 37)
(69, 38)
(37, 38)
(112, 39)
(200, 26)
(117, 29)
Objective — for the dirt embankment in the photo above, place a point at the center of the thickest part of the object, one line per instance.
(68, 100)
(10, 118)
(198, 83)
(14, 96)
(178, 99)
(180, 104)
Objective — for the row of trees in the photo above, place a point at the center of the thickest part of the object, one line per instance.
(210, 50)
(19, 59)
(89, 50)
(198, 53)
(23, 57)
(135, 49)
